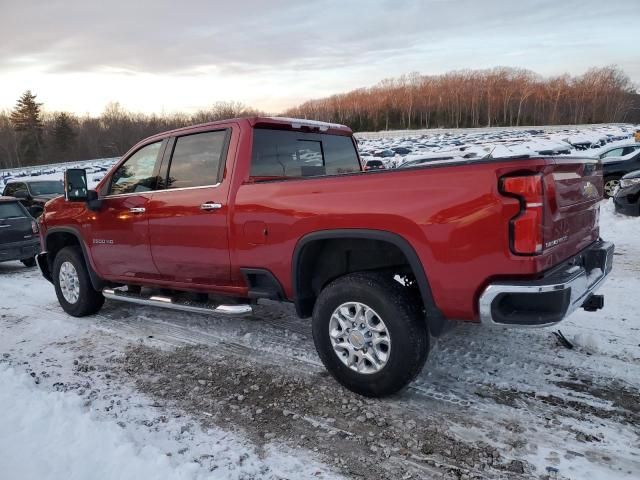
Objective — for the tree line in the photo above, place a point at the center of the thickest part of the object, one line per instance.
(501, 96)
(31, 136)
(481, 98)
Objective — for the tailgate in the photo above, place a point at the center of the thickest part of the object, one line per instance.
(573, 190)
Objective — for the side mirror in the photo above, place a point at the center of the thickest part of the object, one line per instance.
(93, 201)
(75, 185)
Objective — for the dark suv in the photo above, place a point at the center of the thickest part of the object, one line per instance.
(19, 238)
(33, 194)
(615, 167)
(627, 198)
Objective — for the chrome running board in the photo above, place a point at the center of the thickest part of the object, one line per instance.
(168, 302)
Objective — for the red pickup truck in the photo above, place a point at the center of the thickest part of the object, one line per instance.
(214, 217)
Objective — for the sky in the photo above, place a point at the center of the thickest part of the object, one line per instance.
(169, 56)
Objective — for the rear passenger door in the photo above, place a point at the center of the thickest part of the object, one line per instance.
(188, 214)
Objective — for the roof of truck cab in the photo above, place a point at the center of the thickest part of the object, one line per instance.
(266, 122)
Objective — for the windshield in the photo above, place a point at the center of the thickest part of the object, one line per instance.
(10, 210)
(51, 187)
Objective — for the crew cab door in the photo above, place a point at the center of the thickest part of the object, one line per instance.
(188, 213)
(119, 231)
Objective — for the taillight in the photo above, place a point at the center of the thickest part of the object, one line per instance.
(526, 227)
(34, 226)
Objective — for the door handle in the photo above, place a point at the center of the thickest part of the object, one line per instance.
(137, 210)
(210, 206)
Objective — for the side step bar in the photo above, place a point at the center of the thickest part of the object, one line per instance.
(168, 302)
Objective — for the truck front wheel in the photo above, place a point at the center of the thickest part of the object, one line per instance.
(73, 285)
(370, 333)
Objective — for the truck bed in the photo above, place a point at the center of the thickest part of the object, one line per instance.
(451, 212)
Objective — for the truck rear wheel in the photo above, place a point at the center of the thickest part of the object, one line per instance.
(370, 333)
(73, 285)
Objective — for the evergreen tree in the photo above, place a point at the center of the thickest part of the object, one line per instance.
(64, 134)
(27, 122)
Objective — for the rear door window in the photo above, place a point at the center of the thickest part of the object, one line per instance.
(286, 154)
(197, 160)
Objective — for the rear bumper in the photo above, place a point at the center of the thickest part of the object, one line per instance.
(543, 302)
(19, 250)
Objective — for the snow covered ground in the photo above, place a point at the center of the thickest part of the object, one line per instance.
(64, 416)
(137, 392)
(188, 396)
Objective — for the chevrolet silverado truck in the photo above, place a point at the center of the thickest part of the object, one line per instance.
(212, 218)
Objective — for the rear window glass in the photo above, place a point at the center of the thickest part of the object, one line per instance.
(279, 153)
(196, 159)
(10, 209)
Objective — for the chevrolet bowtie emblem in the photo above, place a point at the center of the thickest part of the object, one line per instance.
(589, 190)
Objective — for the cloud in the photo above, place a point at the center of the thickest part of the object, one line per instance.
(252, 36)
(79, 55)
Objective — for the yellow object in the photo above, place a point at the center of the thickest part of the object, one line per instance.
(637, 136)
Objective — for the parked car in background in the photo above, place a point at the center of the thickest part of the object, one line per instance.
(619, 151)
(627, 197)
(614, 168)
(19, 238)
(374, 165)
(34, 193)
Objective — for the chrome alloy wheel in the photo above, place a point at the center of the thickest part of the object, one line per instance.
(611, 187)
(69, 282)
(359, 337)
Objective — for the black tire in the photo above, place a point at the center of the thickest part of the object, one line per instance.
(608, 188)
(29, 262)
(89, 300)
(403, 316)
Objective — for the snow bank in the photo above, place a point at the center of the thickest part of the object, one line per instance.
(49, 435)
(52, 435)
